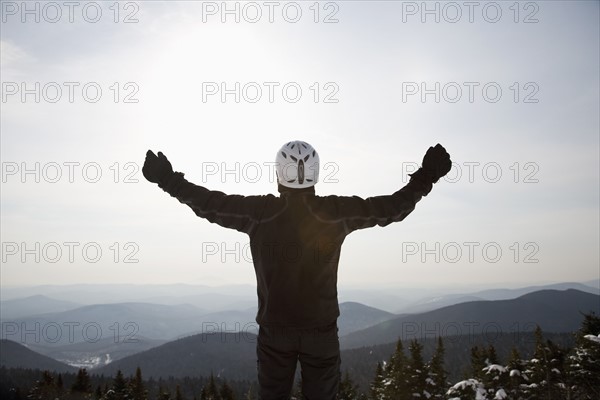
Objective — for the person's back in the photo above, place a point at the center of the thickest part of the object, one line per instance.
(295, 254)
(296, 240)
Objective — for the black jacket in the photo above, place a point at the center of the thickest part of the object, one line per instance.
(295, 240)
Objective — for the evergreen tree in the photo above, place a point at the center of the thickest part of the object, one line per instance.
(178, 395)
(136, 386)
(347, 390)
(210, 391)
(45, 388)
(47, 379)
(494, 376)
(417, 374)
(59, 383)
(396, 375)
(163, 394)
(226, 392)
(98, 394)
(478, 357)
(492, 357)
(437, 381)
(496, 381)
(590, 324)
(468, 389)
(82, 382)
(377, 389)
(119, 390)
(487, 381)
(546, 370)
(516, 376)
(583, 363)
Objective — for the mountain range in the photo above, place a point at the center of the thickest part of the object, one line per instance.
(232, 354)
(19, 302)
(98, 334)
(552, 310)
(435, 302)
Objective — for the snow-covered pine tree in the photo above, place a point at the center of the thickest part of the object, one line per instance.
(495, 377)
(396, 375)
(377, 390)
(347, 390)
(478, 357)
(496, 381)
(468, 389)
(491, 355)
(437, 377)
(516, 376)
(583, 363)
(488, 380)
(417, 374)
(546, 371)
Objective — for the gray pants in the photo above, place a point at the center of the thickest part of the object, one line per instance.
(318, 350)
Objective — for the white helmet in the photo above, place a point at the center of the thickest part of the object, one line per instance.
(297, 165)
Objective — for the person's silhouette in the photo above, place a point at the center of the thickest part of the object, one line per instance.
(295, 240)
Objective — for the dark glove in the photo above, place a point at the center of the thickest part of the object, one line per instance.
(436, 162)
(156, 169)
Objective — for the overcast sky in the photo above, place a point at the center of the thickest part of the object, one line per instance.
(510, 89)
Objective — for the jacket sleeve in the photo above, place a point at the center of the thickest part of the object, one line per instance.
(358, 213)
(229, 211)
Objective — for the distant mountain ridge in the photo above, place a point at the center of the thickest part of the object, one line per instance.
(398, 300)
(595, 283)
(201, 296)
(122, 321)
(15, 355)
(224, 354)
(34, 305)
(432, 303)
(553, 310)
(355, 316)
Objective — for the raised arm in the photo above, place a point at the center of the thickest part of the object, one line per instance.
(230, 211)
(359, 213)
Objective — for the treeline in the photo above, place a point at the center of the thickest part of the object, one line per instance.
(26, 384)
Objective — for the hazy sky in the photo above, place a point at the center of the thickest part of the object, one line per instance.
(510, 89)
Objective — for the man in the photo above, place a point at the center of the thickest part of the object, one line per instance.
(295, 240)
